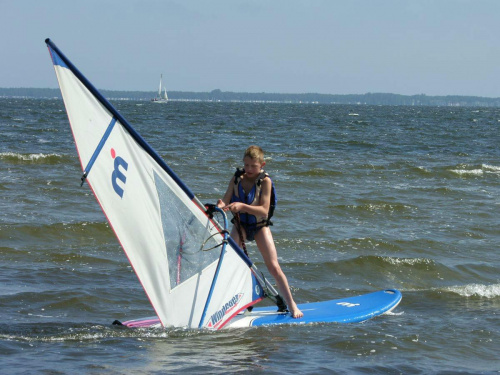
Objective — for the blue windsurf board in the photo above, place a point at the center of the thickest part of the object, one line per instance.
(344, 310)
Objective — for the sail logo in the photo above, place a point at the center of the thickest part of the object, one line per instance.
(119, 165)
(217, 317)
(347, 304)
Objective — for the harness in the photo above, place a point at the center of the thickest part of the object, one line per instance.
(253, 198)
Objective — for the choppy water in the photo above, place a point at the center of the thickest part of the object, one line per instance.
(400, 197)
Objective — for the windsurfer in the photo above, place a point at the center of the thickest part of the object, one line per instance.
(257, 210)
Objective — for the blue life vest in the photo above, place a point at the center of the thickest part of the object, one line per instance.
(253, 198)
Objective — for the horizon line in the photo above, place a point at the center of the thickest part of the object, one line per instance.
(266, 93)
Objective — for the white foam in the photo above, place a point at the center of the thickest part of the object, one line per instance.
(27, 157)
(491, 168)
(408, 261)
(476, 290)
(472, 172)
(485, 168)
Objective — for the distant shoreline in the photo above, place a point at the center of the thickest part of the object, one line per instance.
(227, 96)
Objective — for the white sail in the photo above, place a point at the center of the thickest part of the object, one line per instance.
(158, 221)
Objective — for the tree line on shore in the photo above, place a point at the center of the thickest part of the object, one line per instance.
(228, 96)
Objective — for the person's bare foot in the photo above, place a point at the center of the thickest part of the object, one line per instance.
(296, 313)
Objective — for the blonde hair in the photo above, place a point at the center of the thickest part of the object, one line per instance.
(255, 153)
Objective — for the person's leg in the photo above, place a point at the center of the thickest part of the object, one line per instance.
(265, 243)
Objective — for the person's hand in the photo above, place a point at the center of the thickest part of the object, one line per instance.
(234, 207)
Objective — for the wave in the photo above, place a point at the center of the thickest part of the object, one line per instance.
(376, 207)
(464, 170)
(17, 158)
(475, 290)
(406, 273)
(86, 332)
(418, 171)
(468, 172)
(58, 228)
(371, 166)
(298, 155)
(318, 172)
(490, 168)
(394, 264)
(369, 266)
(36, 235)
(403, 165)
(361, 144)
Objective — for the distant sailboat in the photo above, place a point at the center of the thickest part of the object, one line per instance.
(161, 97)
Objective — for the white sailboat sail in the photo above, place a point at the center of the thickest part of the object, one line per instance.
(161, 98)
(157, 219)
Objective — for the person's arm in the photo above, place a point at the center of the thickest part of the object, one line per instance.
(227, 196)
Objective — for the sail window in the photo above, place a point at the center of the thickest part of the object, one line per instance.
(184, 233)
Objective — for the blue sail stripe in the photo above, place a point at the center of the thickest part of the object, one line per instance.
(56, 59)
(99, 147)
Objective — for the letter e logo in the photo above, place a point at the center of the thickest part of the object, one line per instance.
(118, 174)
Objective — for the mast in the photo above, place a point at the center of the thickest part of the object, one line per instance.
(159, 89)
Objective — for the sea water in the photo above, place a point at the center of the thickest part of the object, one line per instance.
(369, 197)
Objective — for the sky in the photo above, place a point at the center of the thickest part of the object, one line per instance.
(408, 47)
